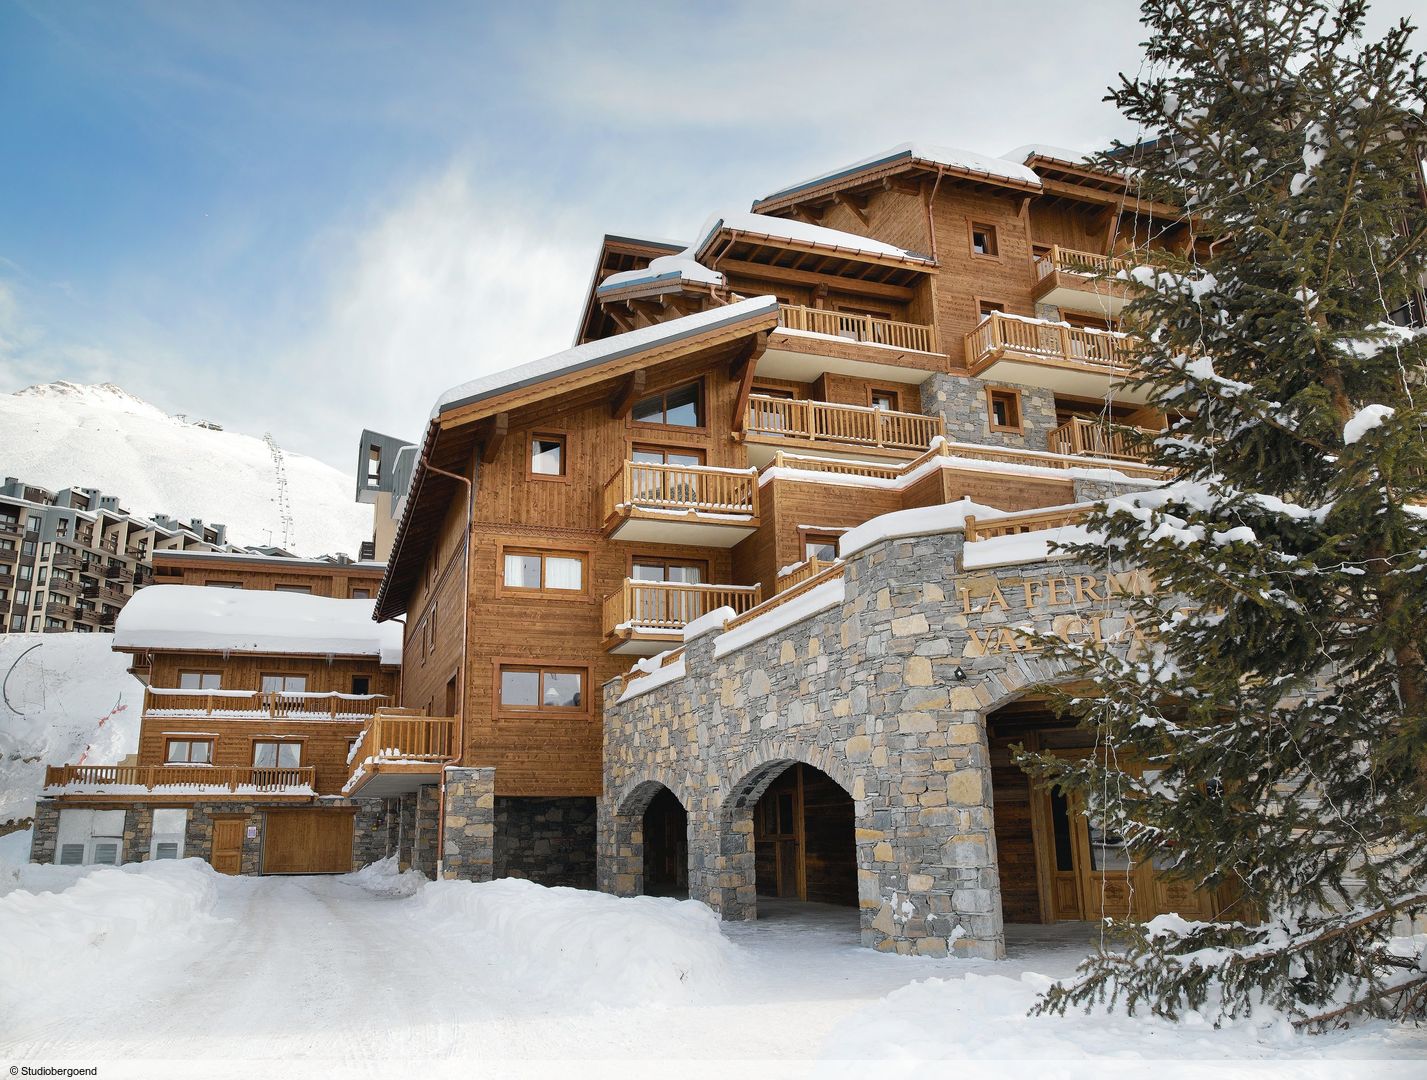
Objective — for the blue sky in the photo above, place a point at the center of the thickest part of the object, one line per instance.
(308, 218)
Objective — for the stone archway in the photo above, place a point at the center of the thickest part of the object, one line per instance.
(629, 858)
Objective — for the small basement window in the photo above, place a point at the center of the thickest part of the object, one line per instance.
(1004, 410)
(547, 455)
(983, 240)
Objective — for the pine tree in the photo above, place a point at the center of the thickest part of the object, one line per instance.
(1274, 742)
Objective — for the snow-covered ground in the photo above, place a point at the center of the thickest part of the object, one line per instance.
(67, 698)
(70, 435)
(171, 969)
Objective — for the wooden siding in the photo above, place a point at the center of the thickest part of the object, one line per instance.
(323, 579)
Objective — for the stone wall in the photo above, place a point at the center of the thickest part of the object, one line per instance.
(961, 401)
(46, 831)
(886, 692)
(424, 843)
(547, 840)
(373, 836)
(469, 841)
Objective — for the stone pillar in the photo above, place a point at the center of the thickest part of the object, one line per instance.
(428, 799)
(406, 831)
(45, 836)
(369, 832)
(138, 834)
(468, 851)
(619, 850)
(723, 874)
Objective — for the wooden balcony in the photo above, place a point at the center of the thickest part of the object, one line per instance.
(1081, 281)
(773, 423)
(261, 705)
(206, 781)
(1093, 438)
(800, 573)
(866, 329)
(11, 528)
(64, 585)
(1028, 521)
(680, 504)
(645, 617)
(1053, 355)
(400, 750)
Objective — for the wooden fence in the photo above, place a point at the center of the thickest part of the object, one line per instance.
(855, 425)
(866, 328)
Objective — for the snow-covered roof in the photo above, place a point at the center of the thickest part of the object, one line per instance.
(294, 561)
(799, 232)
(966, 161)
(602, 351)
(680, 267)
(241, 620)
(1045, 150)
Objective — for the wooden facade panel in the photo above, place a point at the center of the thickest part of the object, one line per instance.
(991, 489)
(244, 671)
(307, 841)
(320, 579)
(325, 743)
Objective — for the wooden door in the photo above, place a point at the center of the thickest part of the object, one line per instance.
(227, 854)
(307, 841)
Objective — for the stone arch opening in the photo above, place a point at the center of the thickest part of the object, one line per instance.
(666, 846)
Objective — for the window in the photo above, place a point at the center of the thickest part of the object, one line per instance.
(986, 307)
(189, 752)
(649, 568)
(361, 684)
(361, 593)
(284, 684)
(820, 546)
(293, 588)
(547, 455)
(983, 240)
(538, 688)
(374, 465)
(224, 584)
(33, 524)
(277, 755)
(662, 455)
(680, 407)
(537, 570)
(200, 680)
(885, 399)
(1004, 409)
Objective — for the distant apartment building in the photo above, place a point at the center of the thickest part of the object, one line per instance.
(69, 560)
(384, 468)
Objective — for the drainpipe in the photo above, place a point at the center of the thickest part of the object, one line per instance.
(460, 738)
(931, 215)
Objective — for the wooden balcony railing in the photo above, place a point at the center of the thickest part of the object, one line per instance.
(852, 425)
(1028, 522)
(866, 328)
(1095, 438)
(139, 778)
(830, 572)
(1081, 263)
(700, 489)
(667, 606)
(802, 571)
(403, 736)
(239, 704)
(999, 335)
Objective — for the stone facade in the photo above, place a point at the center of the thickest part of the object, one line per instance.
(424, 843)
(372, 837)
(961, 402)
(547, 840)
(469, 840)
(886, 692)
(45, 836)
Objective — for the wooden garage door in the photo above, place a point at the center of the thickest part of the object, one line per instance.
(307, 842)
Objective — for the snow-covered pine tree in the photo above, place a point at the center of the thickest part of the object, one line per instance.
(1281, 725)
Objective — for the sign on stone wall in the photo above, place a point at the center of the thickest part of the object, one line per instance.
(990, 603)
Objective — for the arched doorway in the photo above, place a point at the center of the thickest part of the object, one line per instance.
(804, 838)
(666, 846)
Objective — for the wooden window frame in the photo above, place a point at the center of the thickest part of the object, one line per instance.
(979, 301)
(214, 583)
(169, 740)
(1019, 427)
(817, 536)
(513, 547)
(353, 679)
(692, 560)
(972, 227)
(895, 395)
(563, 437)
(295, 588)
(701, 382)
(199, 671)
(290, 740)
(654, 448)
(352, 591)
(586, 710)
(306, 677)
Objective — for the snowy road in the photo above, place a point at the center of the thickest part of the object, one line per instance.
(316, 976)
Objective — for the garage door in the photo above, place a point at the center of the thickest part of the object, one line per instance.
(307, 842)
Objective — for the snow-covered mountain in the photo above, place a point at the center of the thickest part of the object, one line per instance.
(65, 434)
(68, 698)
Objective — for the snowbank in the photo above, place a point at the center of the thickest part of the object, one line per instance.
(111, 927)
(587, 946)
(68, 698)
(242, 620)
(385, 878)
(916, 521)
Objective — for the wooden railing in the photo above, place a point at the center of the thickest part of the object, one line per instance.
(853, 425)
(664, 658)
(262, 703)
(998, 334)
(1095, 438)
(1031, 521)
(1080, 263)
(696, 488)
(975, 451)
(804, 570)
(671, 605)
(206, 777)
(831, 572)
(866, 328)
(398, 736)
